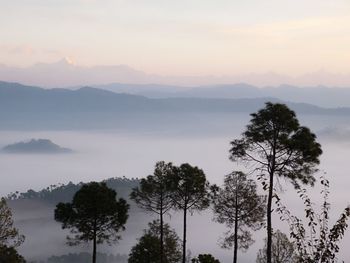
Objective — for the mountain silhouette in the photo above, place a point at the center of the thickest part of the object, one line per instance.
(36, 146)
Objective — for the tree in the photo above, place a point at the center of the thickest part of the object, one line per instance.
(154, 195)
(205, 258)
(190, 193)
(147, 249)
(93, 215)
(315, 240)
(274, 144)
(238, 206)
(10, 255)
(9, 235)
(283, 251)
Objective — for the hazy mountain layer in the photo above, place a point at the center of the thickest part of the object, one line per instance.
(65, 73)
(318, 95)
(32, 107)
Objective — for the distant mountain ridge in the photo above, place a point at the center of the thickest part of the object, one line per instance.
(22, 105)
(319, 95)
(65, 73)
(22, 99)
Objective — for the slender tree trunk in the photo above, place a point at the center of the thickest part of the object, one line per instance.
(235, 249)
(161, 233)
(269, 201)
(236, 228)
(94, 248)
(269, 222)
(184, 237)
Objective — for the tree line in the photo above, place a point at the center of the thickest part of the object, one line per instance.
(273, 145)
(56, 193)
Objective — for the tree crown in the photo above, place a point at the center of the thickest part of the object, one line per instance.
(237, 202)
(94, 211)
(205, 258)
(154, 192)
(276, 143)
(190, 188)
(147, 249)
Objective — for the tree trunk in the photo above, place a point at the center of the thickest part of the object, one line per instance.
(269, 222)
(161, 234)
(184, 237)
(235, 249)
(269, 201)
(236, 228)
(94, 249)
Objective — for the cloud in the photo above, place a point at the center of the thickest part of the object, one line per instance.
(55, 52)
(28, 50)
(21, 50)
(291, 28)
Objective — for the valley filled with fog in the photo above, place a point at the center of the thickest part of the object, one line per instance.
(202, 140)
(122, 113)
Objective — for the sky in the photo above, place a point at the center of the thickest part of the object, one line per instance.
(183, 37)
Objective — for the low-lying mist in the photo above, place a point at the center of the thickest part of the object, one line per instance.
(101, 154)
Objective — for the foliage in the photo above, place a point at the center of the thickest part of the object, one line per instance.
(10, 255)
(238, 206)
(316, 241)
(154, 195)
(205, 258)
(85, 257)
(93, 215)
(147, 249)
(190, 193)
(274, 144)
(190, 188)
(283, 251)
(9, 235)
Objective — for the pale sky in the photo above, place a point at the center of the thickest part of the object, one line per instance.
(182, 37)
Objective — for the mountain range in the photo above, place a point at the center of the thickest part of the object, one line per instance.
(321, 95)
(21, 99)
(28, 106)
(64, 73)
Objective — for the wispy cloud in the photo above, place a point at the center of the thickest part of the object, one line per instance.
(17, 49)
(291, 28)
